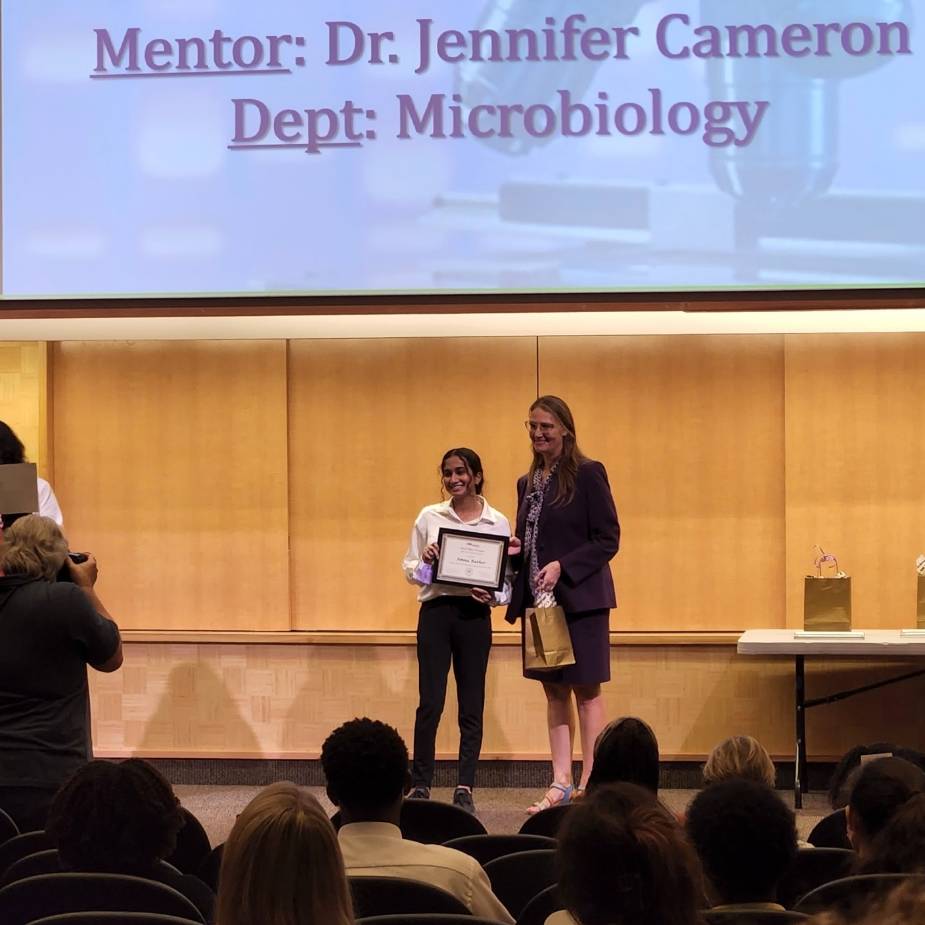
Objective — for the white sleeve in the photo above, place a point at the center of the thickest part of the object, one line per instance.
(416, 546)
(503, 597)
(48, 503)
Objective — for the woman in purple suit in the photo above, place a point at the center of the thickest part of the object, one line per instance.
(567, 533)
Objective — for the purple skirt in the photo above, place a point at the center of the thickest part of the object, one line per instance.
(590, 634)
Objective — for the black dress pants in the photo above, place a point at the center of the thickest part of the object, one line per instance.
(453, 630)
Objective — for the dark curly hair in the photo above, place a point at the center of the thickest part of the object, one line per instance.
(881, 788)
(623, 859)
(626, 750)
(11, 448)
(115, 817)
(746, 838)
(365, 763)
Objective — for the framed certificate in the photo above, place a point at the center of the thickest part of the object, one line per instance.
(473, 560)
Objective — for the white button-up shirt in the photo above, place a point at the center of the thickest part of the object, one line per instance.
(425, 531)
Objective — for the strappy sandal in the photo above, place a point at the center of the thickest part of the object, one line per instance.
(578, 793)
(547, 803)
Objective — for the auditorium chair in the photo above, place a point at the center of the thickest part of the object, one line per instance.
(211, 867)
(113, 918)
(22, 845)
(541, 907)
(192, 846)
(424, 918)
(8, 828)
(851, 894)
(485, 848)
(399, 896)
(32, 865)
(547, 822)
(517, 878)
(432, 822)
(23, 902)
(752, 917)
(811, 868)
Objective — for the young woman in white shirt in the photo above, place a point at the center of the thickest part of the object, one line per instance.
(13, 451)
(454, 624)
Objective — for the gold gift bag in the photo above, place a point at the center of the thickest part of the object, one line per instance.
(827, 601)
(920, 603)
(547, 643)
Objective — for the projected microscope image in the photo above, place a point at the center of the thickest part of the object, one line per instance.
(829, 187)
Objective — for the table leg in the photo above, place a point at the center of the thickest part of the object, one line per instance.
(800, 775)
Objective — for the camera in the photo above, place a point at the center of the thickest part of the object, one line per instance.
(64, 573)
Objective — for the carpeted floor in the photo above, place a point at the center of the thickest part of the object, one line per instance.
(500, 809)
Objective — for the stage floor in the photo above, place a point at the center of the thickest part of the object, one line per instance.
(500, 809)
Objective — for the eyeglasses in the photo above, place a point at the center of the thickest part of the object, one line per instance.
(544, 427)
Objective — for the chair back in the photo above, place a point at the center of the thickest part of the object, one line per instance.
(211, 867)
(33, 865)
(434, 823)
(398, 896)
(8, 828)
(113, 918)
(517, 878)
(831, 831)
(192, 846)
(811, 868)
(547, 822)
(851, 894)
(25, 901)
(425, 918)
(541, 907)
(22, 845)
(485, 848)
(752, 917)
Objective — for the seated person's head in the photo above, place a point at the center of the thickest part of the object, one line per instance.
(746, 839)
(115, 817)
(626, 751)
(881, 788)
(849, 766)
(365, 765)
(623, 860)
(33, 547)
(282, 864)
(740, 757)
(899, 847)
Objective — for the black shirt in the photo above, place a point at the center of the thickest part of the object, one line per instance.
(49, 633)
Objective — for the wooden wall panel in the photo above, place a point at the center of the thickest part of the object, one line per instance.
(369, 422)
(24, 398)
(855, 452)
(691, 432)
(282, 701)
(171, 468)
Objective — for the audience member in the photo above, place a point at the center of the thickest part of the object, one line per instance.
(899, 847)
(281, 864)
(623, 860)
(904, 905)
(49, 632)
(882, 787)
(365, 764)
(626, 751)
(746, 839)
(122, 818)
(739, 757)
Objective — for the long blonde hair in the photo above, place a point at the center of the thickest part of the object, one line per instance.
(282, 864)
(33, 546)
(571, 458)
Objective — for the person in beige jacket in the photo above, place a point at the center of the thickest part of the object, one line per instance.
(365, 765)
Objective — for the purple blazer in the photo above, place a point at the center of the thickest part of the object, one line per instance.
(583, 535)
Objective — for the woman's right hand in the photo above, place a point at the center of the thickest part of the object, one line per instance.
(430, 553)
(514, 546)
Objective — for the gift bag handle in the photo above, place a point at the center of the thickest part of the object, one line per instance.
(824, 557)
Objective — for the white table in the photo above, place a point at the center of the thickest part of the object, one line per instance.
(878, 643)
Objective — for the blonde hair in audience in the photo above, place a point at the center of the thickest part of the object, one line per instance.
(282, 864)
(742, 757)
(33, 546)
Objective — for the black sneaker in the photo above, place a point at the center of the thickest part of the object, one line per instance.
(419, 793)
(462, 797)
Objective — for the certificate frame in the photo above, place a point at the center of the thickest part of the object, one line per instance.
(454, 568)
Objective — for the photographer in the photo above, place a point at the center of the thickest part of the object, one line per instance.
(49, 632)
